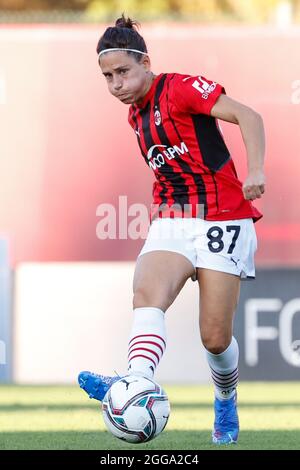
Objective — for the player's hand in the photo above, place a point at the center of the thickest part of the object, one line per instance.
(254, 185)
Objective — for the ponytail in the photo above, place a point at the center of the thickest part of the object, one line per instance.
(124, 35)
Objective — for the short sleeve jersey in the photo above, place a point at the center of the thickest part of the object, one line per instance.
(184, 146)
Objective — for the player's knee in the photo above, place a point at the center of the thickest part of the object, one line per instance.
(144, 297)
(140, 299)
(215, 344)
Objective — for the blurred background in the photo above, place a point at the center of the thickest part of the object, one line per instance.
(203, 11)
(66, 149)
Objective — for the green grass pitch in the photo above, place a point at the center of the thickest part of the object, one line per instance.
(56, 417)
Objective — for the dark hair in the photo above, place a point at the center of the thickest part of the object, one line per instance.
(124, 35)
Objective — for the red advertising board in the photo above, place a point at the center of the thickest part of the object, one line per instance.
(66, 146)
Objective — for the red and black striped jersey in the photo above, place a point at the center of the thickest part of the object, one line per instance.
(183, 145)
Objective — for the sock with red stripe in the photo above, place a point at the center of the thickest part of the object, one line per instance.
(147, 341)
(224, 370)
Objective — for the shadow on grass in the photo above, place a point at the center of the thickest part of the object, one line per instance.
(168, 440)
(13, 407)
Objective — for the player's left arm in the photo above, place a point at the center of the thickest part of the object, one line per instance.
(252, 129)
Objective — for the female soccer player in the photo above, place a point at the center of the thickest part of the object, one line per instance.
(202, 220)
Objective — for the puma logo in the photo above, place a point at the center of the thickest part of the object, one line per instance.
(128, 383)
(235, 262)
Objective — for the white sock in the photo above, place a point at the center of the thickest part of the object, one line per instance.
(147, 341)
(224, 370)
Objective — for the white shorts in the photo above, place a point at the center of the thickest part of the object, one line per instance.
(226, 246)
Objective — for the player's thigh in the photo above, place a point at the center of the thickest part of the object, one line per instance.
(159, 276)
(219, 295)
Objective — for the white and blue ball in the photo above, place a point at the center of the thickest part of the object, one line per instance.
(136, 409)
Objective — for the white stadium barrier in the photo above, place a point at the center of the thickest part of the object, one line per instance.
(70, 317)
(5, 313)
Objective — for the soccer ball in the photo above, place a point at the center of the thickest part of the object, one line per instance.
(135, 409)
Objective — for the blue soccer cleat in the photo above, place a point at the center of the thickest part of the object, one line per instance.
(96, 385)
(226, 426)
